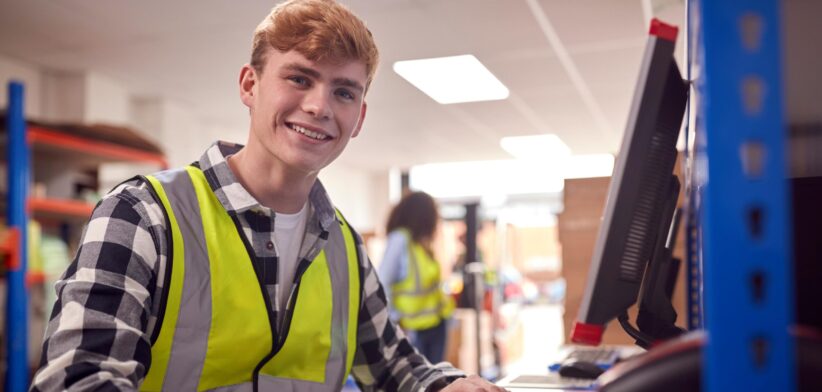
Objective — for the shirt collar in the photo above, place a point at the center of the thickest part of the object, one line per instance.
(236, 199)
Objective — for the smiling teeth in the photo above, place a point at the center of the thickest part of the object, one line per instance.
(311, 134)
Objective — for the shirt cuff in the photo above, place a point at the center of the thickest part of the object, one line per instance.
(449, 375)
(438, 384)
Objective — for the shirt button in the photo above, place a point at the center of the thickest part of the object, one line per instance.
(269, 245)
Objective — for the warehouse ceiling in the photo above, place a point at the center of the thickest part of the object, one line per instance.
(570, 66)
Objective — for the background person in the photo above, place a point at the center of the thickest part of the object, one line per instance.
(409, 269)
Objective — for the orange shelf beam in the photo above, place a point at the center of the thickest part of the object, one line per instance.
(38, 135)
(10, 248)
(33, 278)
(76, 208)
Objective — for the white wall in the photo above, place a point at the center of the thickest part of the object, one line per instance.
(64, 96)
(107, 100)
(11, 69)
(174, 126)
(362, 196)
(85, 97)
(146, 115)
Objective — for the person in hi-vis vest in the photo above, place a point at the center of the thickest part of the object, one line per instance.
(237, 273)
(409, 269)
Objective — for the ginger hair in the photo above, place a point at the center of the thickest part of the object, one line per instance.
(319, 30)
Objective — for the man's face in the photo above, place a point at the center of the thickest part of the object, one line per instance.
(303, 112)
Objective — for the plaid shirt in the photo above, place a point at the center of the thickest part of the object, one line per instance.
(99, 335)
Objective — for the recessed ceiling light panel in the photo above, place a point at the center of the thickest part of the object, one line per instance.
(452, 79)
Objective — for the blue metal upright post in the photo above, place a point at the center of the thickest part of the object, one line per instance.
(693, 265)
(17, 300)
(745, 207)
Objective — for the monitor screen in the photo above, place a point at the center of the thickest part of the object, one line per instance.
(639, 206)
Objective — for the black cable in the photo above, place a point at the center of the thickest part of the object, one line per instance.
(642, 339)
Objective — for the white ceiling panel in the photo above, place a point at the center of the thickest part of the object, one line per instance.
(591, 21)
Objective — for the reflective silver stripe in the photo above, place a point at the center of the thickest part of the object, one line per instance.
(188, 350)
(273, 384)
(419, 293)
(422, 313)
(338, 268)
(414, 263)
(244, 387)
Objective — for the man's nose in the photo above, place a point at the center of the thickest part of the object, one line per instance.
(317, 103)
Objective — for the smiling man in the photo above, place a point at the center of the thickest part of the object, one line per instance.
(237, 272)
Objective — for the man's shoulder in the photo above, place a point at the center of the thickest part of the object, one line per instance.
(138, 188)
(130, 190)
(132, 194)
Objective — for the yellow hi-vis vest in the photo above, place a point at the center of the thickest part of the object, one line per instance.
(216, 333)
(418, 299)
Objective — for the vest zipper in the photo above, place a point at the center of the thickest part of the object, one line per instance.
(285, 324)
(274, 335)
(271, 323)
(281, 334)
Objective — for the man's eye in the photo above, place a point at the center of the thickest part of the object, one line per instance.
(345, 94)
(299, 80)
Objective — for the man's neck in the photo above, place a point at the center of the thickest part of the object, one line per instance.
(271, 183)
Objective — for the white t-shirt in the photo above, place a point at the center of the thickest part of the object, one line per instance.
(289, 230)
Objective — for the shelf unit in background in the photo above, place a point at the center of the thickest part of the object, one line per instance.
(75, 151)
(79, 152)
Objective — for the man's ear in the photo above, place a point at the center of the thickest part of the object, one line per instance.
(359, 123)
(248, 84)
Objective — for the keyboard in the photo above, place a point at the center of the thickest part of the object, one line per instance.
(604, 357)
(543, 382)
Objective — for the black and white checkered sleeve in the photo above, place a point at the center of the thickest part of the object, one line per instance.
(98, 337)
(385, 359)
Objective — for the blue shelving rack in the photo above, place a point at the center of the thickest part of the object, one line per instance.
(693, 266)
(17, 374)
(742, 196)
(22, 138)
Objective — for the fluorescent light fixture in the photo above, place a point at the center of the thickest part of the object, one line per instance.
(549, 150)
(589, 165)
(540, 214)
(485, 178)
(452, 79)
(547, 147)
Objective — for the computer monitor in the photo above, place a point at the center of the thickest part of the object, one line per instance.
(642, 194)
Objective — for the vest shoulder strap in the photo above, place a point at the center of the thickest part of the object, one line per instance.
(152, 181)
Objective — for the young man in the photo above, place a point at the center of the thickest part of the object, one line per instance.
(237, 273)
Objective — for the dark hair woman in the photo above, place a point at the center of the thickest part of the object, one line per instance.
(408, 268)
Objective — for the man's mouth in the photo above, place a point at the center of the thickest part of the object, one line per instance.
(307, 132)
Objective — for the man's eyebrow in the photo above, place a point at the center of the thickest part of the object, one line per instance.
(349, 83)
(303, 69)
(316, 74)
